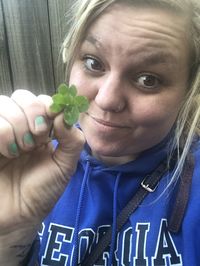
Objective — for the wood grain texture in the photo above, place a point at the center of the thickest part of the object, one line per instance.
(5, 75)
(58, 27)
(27, 25)
(31, 34)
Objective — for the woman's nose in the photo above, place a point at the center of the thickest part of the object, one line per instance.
(110, 96)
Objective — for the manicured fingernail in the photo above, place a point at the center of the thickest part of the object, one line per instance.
(40, 123)
(13, 149)
(28, 139)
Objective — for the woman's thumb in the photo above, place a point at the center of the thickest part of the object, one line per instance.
(70, 143)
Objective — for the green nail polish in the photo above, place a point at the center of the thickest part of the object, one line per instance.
(39, 120)
(28, 139)
(13, 149)
(40, 124)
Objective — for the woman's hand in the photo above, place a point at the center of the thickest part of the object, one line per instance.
(32, 174)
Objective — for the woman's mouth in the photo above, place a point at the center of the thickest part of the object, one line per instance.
(109, 124)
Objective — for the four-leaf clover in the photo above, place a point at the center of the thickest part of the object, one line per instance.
(70, 103)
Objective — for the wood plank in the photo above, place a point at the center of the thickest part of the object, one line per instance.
(27, 26)
(5, 78)
(58, 27)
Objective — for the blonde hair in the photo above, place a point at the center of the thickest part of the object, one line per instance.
(187, 126)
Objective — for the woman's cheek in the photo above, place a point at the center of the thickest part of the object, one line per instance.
(153, 114)
(82, 84)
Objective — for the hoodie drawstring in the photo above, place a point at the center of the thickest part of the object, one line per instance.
(114, 218)
(78, 214)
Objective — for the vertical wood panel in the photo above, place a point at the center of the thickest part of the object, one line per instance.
(58, 26)
(5, 79)
(27, 27)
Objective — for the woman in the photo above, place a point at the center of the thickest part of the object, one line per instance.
(138, 64)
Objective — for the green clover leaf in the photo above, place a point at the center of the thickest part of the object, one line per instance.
(69, 102)
(71, 116)
(82, 103)
(73, 90)
(56, 108)
(63, 89)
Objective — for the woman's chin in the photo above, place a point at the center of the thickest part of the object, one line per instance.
(111, 156)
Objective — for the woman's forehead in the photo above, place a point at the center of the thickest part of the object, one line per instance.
(126, 27)
(123, 11)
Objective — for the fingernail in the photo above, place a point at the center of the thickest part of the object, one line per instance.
(40, 123)
(28, 139)
(13, 149)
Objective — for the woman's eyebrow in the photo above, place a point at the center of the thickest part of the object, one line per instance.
(158, 57)
(149, 58)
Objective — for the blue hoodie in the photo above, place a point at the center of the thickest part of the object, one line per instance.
(95, 196)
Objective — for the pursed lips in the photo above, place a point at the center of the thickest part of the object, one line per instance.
(107, 123)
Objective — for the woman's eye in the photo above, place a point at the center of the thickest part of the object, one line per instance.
(93, 64)
(148, 81)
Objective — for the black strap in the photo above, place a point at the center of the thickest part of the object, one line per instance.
(182, 195)
(149, 184)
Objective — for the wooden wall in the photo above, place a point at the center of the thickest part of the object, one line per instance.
(31, 33)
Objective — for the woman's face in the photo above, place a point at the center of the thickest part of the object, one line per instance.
(133, 67)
